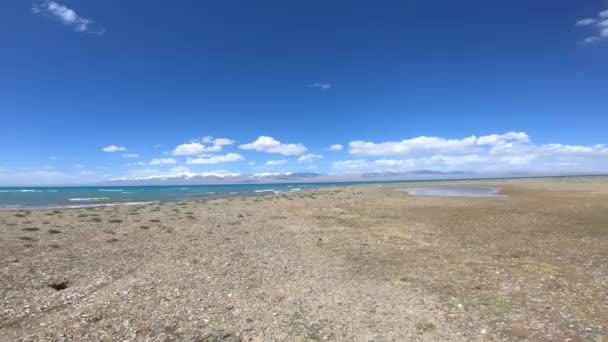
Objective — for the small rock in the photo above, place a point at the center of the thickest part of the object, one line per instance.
(519, 330)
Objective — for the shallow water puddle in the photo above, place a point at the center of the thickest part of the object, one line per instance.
(453, 191)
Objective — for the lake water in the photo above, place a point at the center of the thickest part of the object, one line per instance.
(83, 196)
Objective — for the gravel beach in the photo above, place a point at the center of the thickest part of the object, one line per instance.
(362, 263)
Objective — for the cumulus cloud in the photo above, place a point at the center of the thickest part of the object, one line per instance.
(176, 172)
(323, 86)
(599, 26)
(66, 16)
(309, 157)
(114, 148)
(585, 22)
(336, 147)
(197, 147)
(276, 162)
(510, 151)
(130, 155)
(424, 144)
(230, 157)
(218, 141)
(189, 149)
(163, 161)
(271, 145)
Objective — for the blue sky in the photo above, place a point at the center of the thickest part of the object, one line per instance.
(400, 85)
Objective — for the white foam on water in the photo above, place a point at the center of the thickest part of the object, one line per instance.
(104, 205)
(89, 199)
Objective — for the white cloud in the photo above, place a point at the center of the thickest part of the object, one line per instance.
(163, 161)
(585, 22)
(66, 16)
(596, 150)
(218, 141)
(590, 40)
(601, 25)
(230, 157)
(276, 162)
(415, 145)
(251, 163)
(270, 145)
(114, 148)
(197, 148)
(323, 86)
(176, 172)
(268, 174)
(336, 147)
(189, 149)
(424, 144)
(511, 151)
(495, 139)
(79, 166)
(130, 155)
(309, 157)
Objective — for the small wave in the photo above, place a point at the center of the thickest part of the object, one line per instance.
(210, 192)
(265, 190)
(184, 188)
(110, 190)
(89, 199)
(234, 193)
(52, 190)
(126, 192)
(104, 205)
(295, 189)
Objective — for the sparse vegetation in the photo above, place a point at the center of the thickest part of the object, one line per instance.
(423, 327)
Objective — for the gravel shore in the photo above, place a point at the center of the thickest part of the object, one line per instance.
(361, 263)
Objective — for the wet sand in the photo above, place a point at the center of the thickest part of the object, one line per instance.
(355, 263)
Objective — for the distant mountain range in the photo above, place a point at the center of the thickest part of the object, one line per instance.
(308, 177)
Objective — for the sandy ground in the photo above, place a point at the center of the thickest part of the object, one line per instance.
(355, 263)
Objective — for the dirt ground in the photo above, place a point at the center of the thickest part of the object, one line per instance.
(358, 263)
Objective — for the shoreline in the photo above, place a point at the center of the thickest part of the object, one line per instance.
(206, 195)
(323, 264)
